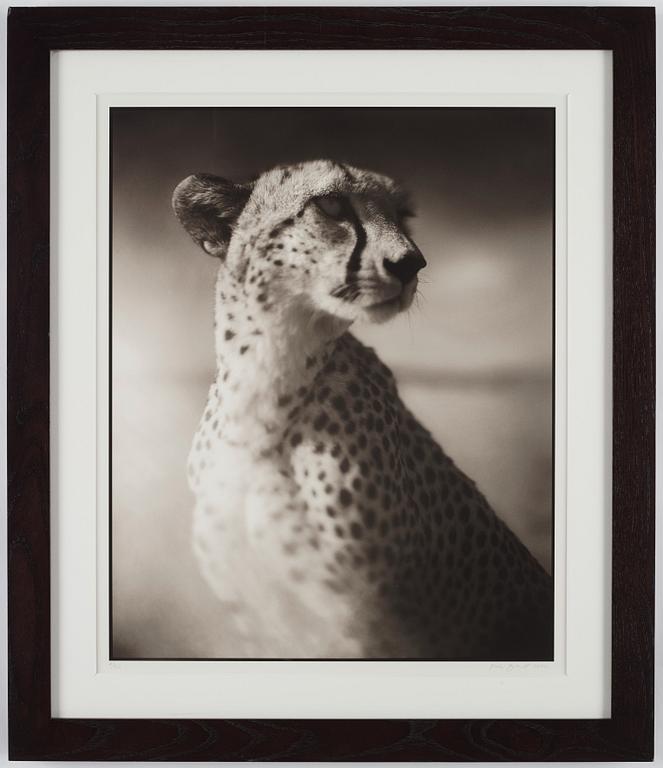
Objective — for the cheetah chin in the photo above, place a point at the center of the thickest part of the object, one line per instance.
(384, 310)
(327, 520)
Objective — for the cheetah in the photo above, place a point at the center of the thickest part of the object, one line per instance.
(328, 521)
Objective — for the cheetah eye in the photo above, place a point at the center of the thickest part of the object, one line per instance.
(333, 207)
(404, 214)
(403, 217)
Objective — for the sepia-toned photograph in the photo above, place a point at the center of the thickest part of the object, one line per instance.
(332, 387)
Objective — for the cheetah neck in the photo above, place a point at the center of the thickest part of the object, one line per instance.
(267, 357)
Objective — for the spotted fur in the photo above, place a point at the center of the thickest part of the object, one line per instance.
(328, 520)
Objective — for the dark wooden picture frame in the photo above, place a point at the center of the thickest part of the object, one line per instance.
(629, 33)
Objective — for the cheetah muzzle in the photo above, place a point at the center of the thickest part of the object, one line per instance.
(327, 520)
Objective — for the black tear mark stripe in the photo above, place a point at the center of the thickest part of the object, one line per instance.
(354, 262)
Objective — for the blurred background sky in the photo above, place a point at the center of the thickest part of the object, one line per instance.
(473, 357)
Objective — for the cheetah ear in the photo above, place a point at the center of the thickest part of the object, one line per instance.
(207, 207)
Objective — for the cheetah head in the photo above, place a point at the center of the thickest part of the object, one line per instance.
(320, 234)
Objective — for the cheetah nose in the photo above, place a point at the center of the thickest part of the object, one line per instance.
(406, 267)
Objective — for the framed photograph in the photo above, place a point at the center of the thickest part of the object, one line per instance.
(331, 383)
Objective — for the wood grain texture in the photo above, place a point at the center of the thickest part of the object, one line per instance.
(33, 33)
